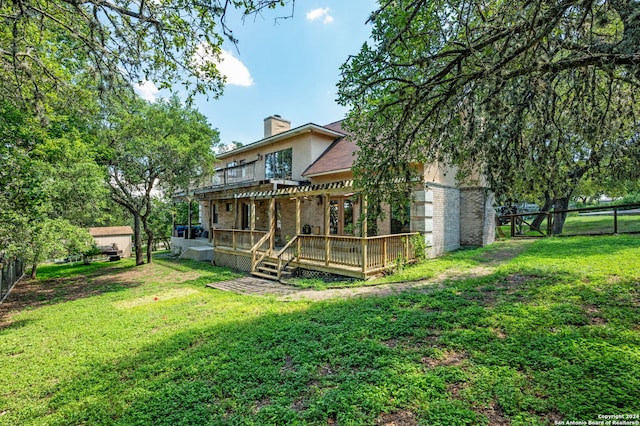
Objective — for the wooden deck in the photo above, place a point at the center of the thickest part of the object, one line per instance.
(354, 257)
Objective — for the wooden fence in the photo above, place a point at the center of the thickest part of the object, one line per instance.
(521, 223)
(11, 271)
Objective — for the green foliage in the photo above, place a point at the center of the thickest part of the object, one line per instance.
(52, 49)
(551, 335)
(50, 184)
(52, 238)
(515, 93)
(162, 146)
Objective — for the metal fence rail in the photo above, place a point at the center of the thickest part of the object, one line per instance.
(11, 271)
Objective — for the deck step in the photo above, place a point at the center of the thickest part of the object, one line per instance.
(266, 276)
(262, 270)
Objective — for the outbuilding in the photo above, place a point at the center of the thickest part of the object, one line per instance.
(121, 236)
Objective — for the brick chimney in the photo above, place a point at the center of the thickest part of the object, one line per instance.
(275, 124)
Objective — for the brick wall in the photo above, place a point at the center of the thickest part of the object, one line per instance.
(477, 217)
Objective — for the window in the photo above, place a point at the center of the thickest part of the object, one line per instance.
(229, 207)
(278, 165)
(215, 213)
(400, 215)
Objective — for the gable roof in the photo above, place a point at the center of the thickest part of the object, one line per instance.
(338, 157)
(309, 127)
(105, 231)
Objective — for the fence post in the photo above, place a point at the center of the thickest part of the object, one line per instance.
(615, 220)
(384, 252)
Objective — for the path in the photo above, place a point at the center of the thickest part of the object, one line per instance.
(260, 287)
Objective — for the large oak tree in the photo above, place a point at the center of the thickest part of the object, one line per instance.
(154, 147)
(537, 95)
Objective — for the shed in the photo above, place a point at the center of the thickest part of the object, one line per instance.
(109, 235)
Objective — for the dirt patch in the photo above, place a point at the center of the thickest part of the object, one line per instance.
(398, 418)
(288, 365)
(594, 314)
(502, 251)
(259, 405)
(325, 370)
(298, 405)
(451, 358)
(495, 415)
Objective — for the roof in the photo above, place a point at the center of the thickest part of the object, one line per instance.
(336, 126)
(309, 127)
(107, 231)
(338, 157)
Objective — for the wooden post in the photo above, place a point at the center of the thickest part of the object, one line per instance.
(364, 234)
(189, 220)
(236, 224)
(384, 252)
(272, 222)
(406, 248)
(298, 220)
(173, 221)
(252, 225)
(210, 220)
(298, 225)
(327, 228)
(513, 226)
(615, 220)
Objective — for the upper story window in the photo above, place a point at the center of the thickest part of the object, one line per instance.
(278, 165)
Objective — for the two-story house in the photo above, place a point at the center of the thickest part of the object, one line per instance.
(288, 201)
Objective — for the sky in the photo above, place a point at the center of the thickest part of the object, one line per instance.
(288, 67)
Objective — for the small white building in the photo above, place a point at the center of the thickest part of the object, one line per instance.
(109, 235)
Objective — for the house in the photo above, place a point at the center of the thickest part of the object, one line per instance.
(107, 236)
(288, 201)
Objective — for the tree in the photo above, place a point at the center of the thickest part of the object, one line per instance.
(53, 46)
(51, 238)
(160, 221)
(532, 96)
(50, 185)
(154, 147)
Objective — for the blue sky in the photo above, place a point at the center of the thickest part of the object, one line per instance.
(288, 67)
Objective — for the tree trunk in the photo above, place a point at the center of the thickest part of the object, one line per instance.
(34, 271)
(149, 245)
(559, 218)
(137, 237)
(548, 203)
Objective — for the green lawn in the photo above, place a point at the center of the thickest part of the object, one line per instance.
(585, 225)
(553, 334)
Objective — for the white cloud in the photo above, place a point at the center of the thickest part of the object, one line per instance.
(320, 13)
(147, 90)
(236, 73)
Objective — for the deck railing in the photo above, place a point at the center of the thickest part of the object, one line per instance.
(364, 254)
(236, 239)
(388, 250)
(235, 174)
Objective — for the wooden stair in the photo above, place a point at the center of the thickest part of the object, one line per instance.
(268, 269)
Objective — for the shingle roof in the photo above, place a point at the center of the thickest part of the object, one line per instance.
(339, 156)
(105, 231)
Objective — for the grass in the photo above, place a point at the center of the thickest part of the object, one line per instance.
(460, 261)
(553, 334)
(585, 225)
